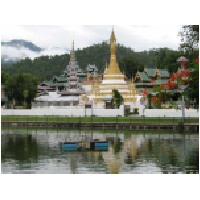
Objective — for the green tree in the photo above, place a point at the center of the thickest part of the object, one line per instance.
(21, 87)
(25, 94)
(130, 65)
(45, 67)
(158, 102)
(149, 96)
(157, 89)
(161, 54)
(117, 98)
(193, 87)
(164, 97)
(4, 77)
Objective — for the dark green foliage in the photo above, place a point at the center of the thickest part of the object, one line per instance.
(17, 85)
(158, 102)
(130, 65)
(164, 97)
(192, 91)
(4, 77)
(117, 99)
(45, 67)
(99, 54)
(157, 89)
(149, 100)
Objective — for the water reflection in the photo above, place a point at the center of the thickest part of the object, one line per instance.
(39, 151)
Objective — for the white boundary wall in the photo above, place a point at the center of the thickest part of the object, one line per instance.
(66, 112)
(168, 112)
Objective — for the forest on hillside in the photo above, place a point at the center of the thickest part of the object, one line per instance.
(45, 67)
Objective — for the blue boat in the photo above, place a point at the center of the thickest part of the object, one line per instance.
(94, 146)
(99, 146)
(70, 146)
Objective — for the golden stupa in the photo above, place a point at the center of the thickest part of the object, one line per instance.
(112, 79)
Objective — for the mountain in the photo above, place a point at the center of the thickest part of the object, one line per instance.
(48, 65)
(22, 44)
(18, 49)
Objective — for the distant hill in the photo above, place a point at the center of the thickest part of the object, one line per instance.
(45, 67)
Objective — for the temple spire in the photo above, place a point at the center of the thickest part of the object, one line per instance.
(73, 45)
(72, 53)
(113, 68)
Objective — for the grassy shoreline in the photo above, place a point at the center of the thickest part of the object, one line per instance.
(64, 119)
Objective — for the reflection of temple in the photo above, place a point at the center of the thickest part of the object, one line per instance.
(128, 153)
(115, 159)
(113, 78)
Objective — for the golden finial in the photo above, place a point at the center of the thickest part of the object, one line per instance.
(72, 54)
(112, 38)
(113, 67)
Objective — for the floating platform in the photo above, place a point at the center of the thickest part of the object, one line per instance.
(70, 146)
(99, 146)
(78, 146)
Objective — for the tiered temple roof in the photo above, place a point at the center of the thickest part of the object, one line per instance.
(72, 87)
(150, 78)
(151, 72)
(164, 73)
(113, 78)
(92, 69)
(142, 76)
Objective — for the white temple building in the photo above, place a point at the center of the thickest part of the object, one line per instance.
(95, 92)
(70, 94)
(113, 79)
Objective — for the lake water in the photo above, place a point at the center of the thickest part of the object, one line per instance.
(40, 151)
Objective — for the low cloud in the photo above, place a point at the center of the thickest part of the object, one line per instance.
(17, 53)
(13, 53)
(57, 40)
(137, 37)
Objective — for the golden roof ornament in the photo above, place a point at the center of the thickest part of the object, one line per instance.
(113, 68)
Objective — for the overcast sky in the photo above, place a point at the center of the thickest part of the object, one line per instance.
(60, 12)
(56, 39)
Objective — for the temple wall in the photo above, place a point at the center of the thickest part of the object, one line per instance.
(99, 112)
(87, 88)
(114, 81)
(167, 112)
(65, 112)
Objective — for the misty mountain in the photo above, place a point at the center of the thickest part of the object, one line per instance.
(18, 49)
(22, 44)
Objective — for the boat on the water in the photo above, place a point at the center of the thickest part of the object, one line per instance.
(85, 146)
